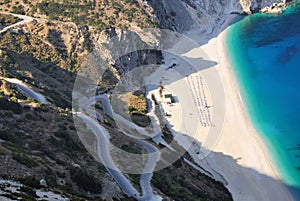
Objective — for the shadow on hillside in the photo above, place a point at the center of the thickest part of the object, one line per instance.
(55, 38)
(49, 79)
(208, 19)
(246, 184)
(249, 184)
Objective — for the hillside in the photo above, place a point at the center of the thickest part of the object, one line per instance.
(39, 142)
(99, 14)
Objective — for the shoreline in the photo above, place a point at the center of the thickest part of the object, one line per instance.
(230, 148)
(250, 151)
(242, 106)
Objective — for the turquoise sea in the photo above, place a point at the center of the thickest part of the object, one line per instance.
(264, 51)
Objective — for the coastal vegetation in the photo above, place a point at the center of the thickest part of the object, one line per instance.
(10, 105)
(137, 104)
(138, 108)
(100, 14)
(56, 156)
(180, 181)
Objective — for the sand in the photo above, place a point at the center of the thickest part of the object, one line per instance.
(233, 152)
(253, 176)
(258, 179)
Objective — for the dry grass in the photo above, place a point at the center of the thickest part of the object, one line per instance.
(100, 14)
(137, 104)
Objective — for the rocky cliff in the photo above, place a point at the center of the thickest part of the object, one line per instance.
(184, 15)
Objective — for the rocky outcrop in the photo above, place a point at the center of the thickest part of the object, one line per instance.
(275, 8)
(185, 15)
(164, 20)
(260, 4)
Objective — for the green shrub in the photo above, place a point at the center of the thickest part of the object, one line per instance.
(10, 106)
(5, 135)
(31, 182)
(28, 191)
(140, 119)
(18, 10)
(2, 152)
(173, 13)
(24, 160)
(29, 116)
(85, 181)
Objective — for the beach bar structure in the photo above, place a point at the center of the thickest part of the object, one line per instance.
(170, 97)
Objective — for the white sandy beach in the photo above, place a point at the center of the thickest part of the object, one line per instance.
(259, 180)
(255, 177)
(237, 155)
